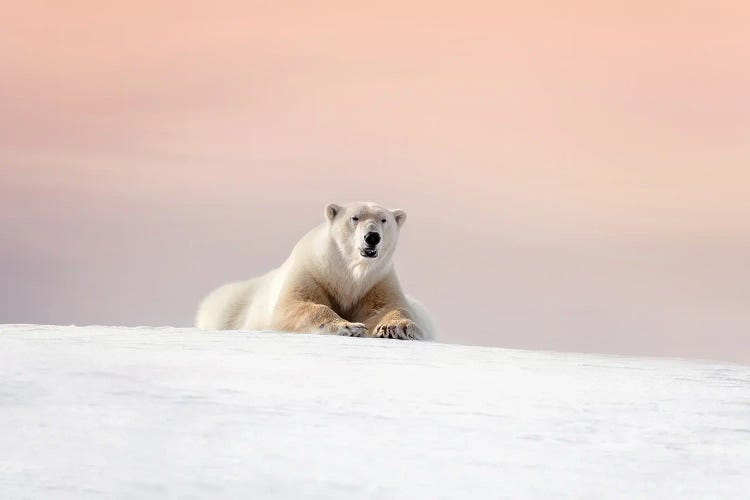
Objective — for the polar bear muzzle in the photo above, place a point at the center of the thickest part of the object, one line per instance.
(372, 240)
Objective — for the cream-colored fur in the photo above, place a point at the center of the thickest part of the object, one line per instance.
(328, 284)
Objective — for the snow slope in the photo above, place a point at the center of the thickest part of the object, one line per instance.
(165, 412)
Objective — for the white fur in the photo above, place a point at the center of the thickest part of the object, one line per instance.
(331, 254)
(422, 317)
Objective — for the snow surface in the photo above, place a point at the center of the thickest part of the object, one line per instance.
(166, 412)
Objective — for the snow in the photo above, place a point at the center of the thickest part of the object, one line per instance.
(166, 412)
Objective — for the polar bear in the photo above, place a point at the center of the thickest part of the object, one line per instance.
(339, 279)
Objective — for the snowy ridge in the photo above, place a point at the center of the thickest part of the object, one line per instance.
(165, 412)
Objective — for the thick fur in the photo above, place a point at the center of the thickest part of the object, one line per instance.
(328, 285)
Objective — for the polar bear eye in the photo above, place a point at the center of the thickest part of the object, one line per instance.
(355, 219)
(383, 221)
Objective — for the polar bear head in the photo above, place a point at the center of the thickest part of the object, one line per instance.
(364, 232)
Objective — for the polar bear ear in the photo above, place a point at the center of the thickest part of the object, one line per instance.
(400, 216)
(332, 211)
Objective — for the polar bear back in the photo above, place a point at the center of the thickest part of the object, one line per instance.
(226, 307)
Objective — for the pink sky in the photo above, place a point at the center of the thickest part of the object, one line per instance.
(576, 175)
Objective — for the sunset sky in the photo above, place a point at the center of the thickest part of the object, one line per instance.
(577, 175)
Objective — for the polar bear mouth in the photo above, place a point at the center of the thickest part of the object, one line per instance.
(368, 253)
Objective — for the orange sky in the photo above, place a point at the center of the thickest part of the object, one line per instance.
(576, 175)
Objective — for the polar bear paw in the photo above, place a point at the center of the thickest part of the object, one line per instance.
(346, 329)
(404, 329)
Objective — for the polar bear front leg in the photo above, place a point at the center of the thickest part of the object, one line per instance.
(396, 324)
(308, 317)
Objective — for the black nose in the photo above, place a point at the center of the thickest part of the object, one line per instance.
(372, 239)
